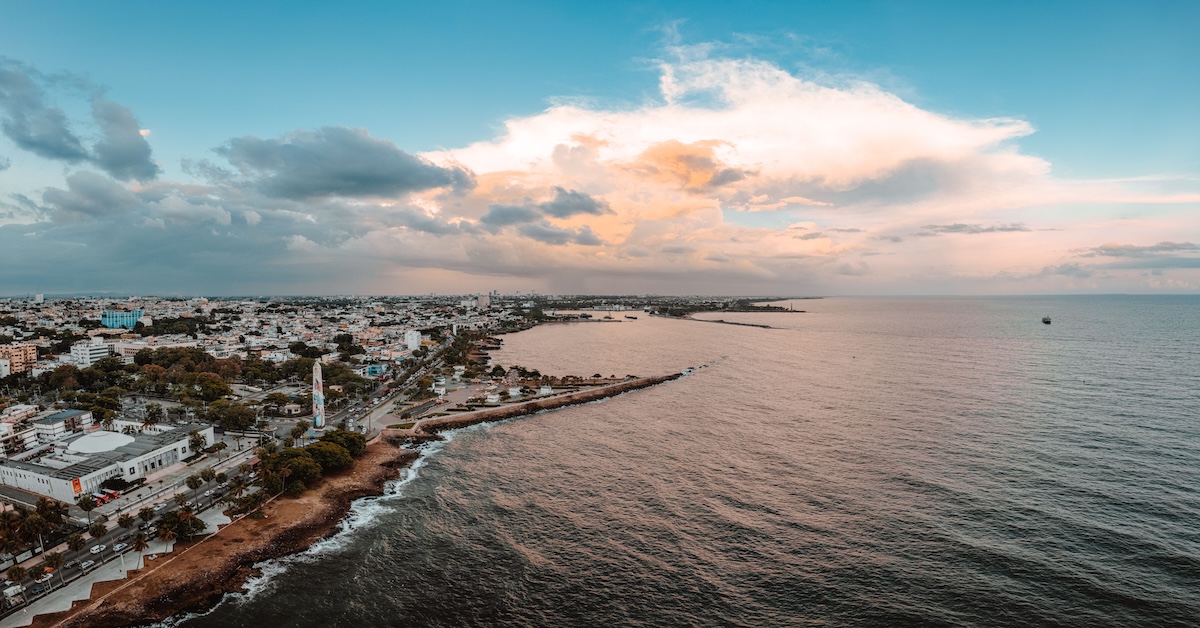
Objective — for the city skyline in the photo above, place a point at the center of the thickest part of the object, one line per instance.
(870, 148)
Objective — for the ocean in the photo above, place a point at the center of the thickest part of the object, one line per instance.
(870, 462)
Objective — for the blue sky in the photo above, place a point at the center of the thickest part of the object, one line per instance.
(1109, 91)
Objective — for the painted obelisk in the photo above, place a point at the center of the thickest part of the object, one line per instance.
(318, 397)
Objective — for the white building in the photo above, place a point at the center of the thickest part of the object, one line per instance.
(412, 339)
(79, 465)
(5, 368)
(55, 426)
(86, 353)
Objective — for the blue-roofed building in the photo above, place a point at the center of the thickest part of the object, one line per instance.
(113, 319)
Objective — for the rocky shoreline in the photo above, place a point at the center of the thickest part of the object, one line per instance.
(199, 574)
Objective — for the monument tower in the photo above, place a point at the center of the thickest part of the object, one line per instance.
(318, 397)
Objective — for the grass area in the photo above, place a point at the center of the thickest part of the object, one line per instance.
(402, 426)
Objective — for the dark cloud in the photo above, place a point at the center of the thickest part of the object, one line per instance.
(892, 239)
(335, 161)
(1130, 250)
(847, 230)
(677, 249)
(29, 121)
(549, 234)
(972, 229)
(569, 203)
(810, 236)
(499, 216)
(5, 164)
(1164, 261)
(122, 152)
(88, 195)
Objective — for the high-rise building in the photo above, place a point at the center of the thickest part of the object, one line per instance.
(113, 319)
(86, 353)
(412, 338)
(20, 358)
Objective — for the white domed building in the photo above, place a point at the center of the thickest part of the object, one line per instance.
(78, 463)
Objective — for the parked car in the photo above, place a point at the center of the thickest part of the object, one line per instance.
(87, 564)
(120, 546)
(189, 504)
(158, 507)
(98, 548)
(208, 492)
(43, 578)
(71, 563)
(145, 525)
(123, 537)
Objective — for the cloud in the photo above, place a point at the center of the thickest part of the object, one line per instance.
(975, 229)
(30, 122)
(88, 195)
(1130, 250)
(123, 152)
(335, 161)
(507, 215)
(567, 203)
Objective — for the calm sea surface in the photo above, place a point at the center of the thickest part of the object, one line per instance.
(872, 462)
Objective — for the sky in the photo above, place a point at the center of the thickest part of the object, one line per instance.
(751, 148)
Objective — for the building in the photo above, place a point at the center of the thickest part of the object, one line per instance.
(5, 368)
(79, 464)
(113, 319)
(16, 438)
(412, 339)
(53, 427)
(88, 352)
(20, 357)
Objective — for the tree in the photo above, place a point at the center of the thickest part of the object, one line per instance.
(97, 530)
(16, 573)
(51, 510)
(331, 456)
(154, 414)
(207, 474)
(126, 520)
(87, 504)
(140, 543)
(276, 400)
(221, 478)
(166, 534)
(55, 561)
(146, 514)
(354, 442)
(220, 447)
(194, 482)
(196, 441)
(75, 542)
(180, 499)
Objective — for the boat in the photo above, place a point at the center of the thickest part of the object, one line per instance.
(1046, 320)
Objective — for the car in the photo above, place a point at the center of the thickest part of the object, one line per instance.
(98, 548)
(43, 578)
(145, 525)
(123, 537)
(120, 546)
(223, 485)
(87, 564)
(188, 504)
(70, 563)
(208, 492)
(158, 507)
(36, 589)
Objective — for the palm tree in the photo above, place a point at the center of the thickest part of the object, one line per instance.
(16, 573)
(180, 499)
(194, 482)
(87, 504)
(207, 474)
(166, 534)
(75, 542)
(146, 514)
(97, 530)
(140, 543)
(126, 521)
(237, 487)
(55, 561)
(33, 527)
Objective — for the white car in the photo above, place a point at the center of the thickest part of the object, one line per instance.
(207, 493)
(43, 578)
(158, 507)
(98, 548)
(87, 564)
(120, 546)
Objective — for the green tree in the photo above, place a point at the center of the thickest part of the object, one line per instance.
(140, 543)
(146, 514)
(75, 542)
(126, 520)
(354, 442)
(154, 414)
(207, 474)
(55, 561)
(196, 441)
(180, 499)
(331, 456)
(87, 504)
(16, 573)
(97, 529)
(194, 482)
(221, 478)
